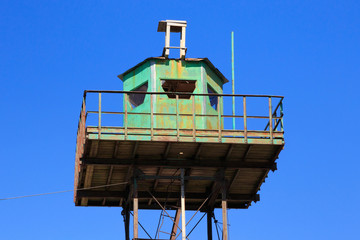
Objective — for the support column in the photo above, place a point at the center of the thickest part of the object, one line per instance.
(136, 207)
(209, 224)
(183, 223)
(127, 222)
(224, 212)
(182, 43)
(167, 40)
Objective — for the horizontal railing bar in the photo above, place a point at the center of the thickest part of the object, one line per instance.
(239, 116)
(182, 93)
(96, 112)
(189, 129)
(183, 132)
(148, 113)
(182, 114)
(176, 47)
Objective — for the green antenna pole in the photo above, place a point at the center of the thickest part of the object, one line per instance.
(233, 77)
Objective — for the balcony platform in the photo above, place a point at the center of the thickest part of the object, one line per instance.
(109, 158)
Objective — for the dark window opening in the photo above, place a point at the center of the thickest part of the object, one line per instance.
(213, 99)
(137, 99)
(178, 86)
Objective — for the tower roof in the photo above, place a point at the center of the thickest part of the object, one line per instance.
(206, 60)
(175, 25)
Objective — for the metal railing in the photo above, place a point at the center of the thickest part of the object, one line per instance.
(274, 117)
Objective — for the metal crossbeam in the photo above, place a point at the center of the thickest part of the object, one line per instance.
(162, 195)
(183, 163)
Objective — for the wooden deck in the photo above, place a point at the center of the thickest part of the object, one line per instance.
(243, 166)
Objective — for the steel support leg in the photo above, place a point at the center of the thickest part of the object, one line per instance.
(127, 222)
(136, 207)
(209, 224)
(183, 223)
(224, 213)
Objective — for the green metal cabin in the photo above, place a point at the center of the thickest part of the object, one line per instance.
(161, 75)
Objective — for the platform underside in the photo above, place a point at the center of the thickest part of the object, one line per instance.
(242, 167)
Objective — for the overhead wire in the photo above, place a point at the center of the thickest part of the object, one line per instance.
(64, 191)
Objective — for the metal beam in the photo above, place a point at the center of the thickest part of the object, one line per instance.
(228, 154)
(216, 187)
(90, 169)
(237, 171)
(236, 174)
(198, 151)
(108, 180)
(178, 163)
(215, 193)
(87, 183)
(266, 171)
(246, 154)
(161, 195)
(175, 224)
(116, 149)
(167, 150)
(156, 181)
(129, 187)
(146, 177)
(171, 205)
(136, 145)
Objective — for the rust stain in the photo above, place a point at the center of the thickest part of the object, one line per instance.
(179, 69)
(172, 71)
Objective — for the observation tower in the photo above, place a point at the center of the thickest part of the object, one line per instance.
(170, 141)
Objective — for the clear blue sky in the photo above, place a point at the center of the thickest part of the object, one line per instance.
(308, 51)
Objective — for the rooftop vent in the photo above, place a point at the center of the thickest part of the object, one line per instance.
(169, 26)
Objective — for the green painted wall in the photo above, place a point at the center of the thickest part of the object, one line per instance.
(155, 70)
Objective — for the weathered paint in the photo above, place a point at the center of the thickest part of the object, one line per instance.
(156, 70)
(205, 139)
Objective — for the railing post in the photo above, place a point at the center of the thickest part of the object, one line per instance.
(83, 124)
(270, 120)
(126, 116)
(281, 115)
(177, 117)
(99, 115)
(245, 119)
(151, 117)
(83, 117)
(219, 117)
(194, 118)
